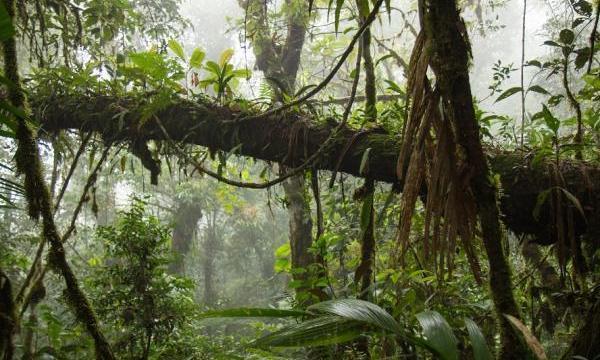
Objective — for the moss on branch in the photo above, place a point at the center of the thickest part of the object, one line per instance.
(209, 125)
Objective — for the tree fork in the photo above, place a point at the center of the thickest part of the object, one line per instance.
(284, 67)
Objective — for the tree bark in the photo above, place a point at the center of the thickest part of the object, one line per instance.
(300, 225)
(7, 318)
(370, 89)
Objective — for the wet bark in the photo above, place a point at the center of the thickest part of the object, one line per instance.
(29, 334)
(300, 225)
(39, 293)
(364, 271)
(370, 89)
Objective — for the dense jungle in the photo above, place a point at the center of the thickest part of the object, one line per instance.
(300, 179)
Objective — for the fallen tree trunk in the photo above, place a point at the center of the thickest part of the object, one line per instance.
(290, 139)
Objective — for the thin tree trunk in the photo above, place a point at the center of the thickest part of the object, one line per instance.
(208, 266)
(364, 270)
(28, 343)
(39, 293)
(370, 89)
(300, 225)
(522, 72)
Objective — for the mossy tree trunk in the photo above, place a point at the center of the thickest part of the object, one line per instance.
(38, 198)
(268, 139)
(450, 52)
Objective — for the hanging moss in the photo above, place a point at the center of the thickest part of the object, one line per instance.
(450, 54)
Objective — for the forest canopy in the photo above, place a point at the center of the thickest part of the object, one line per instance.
(291, 179)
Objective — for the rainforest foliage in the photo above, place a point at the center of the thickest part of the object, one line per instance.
(300, 179)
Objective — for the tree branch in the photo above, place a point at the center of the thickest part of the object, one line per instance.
(270, 139)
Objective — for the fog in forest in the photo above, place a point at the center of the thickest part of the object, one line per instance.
(215, 181)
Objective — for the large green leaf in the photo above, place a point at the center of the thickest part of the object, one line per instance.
(241, 73)
(567, 36)
(338, 11)
(177, 49)
(324, 330)
(252, 312)
(150, 63)
(551, 122)
(508, 93)
(478, 343)
(197, 58)
(226, 56)
(439, 335)
(538, 89)
(213, 68)
(358, 310)
(573, 199)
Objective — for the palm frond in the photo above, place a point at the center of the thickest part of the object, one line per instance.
(439, 334)
(359, 310)
(320, 331)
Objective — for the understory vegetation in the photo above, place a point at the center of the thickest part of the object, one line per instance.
(300, 179)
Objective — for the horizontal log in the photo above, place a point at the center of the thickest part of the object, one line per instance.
(291, 138)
